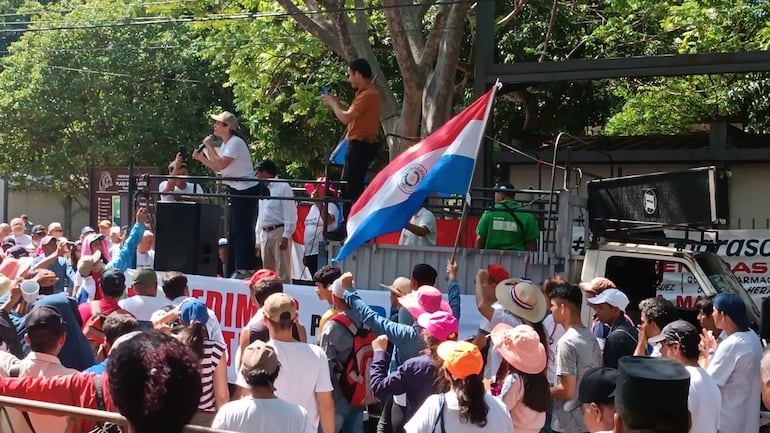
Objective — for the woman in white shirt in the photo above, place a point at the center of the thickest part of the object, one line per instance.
(234, 160)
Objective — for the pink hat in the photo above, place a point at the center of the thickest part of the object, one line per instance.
(311, 187)
(440, 325)
(426, 299)
(520, 346)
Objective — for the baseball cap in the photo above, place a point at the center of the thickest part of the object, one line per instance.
(9, 240)
(596, 386)
(44, 319)
(145, 277)
(729, 303)
(680, 331)
(426, 299)
(311, 187)
(614, 297)
(440, 325)
(597, 285)
(497, 272)
(222, 242)
(261, 274)
(520, 346)
(337, 289)
(86, 230)
(38, 228)
(401, 286)
(461, 358)
(227, 118)
(46, 240)
(194, 311)
(113, 282)
(267, 166)
(277, 304)
(17, 251)
(652, 386)
(259, 356)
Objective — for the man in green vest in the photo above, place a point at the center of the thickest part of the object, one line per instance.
(506, 227)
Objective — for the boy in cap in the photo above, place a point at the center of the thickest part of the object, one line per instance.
(261, 411)
(596, 399)
(651, 396)
(680, 341)
(305, 379)
(735, 366)
(610, 306)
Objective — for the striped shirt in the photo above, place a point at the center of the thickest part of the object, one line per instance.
(213, 352)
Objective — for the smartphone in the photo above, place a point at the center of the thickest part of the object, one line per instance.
(324, 90)
(183, 151)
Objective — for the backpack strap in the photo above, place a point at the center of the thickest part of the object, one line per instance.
(346, 322)
(440, 417)
(14, 372)
(99, 392)
(636, 339)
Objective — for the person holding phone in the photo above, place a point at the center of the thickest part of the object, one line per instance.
(363, 121)
(178, 167)
(233, 160)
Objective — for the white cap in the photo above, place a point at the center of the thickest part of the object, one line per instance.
(614, 297)
(337, 289)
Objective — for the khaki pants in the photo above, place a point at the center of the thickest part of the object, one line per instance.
(273, 257)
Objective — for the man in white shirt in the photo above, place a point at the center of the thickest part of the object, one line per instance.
(276, 222)
(146, 300)
(680, 341)
(420, 230)
(17, 229)
(735, 366)
(145, 252)
(179, 186)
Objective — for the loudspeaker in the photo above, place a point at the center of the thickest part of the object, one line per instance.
(186, 238)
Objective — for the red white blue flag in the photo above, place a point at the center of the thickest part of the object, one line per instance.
(442, 163)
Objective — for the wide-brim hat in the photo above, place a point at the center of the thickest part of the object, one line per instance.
(426, 299)
(520, 346)
(522, 298)
(401, 286)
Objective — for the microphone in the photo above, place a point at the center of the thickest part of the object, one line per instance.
(203, 145)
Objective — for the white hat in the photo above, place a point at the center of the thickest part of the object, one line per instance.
(337, 289)
(614, 297)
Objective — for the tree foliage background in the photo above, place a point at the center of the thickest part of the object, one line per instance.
(106, 82)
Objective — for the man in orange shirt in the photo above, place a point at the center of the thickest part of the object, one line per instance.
(363, 121)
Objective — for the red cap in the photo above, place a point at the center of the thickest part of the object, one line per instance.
(498, 272)
(261, 274)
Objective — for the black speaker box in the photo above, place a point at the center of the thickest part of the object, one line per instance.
(186, 238)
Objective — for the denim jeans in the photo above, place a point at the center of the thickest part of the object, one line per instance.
(347, 419)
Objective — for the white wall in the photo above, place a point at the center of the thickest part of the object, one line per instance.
(45, 207)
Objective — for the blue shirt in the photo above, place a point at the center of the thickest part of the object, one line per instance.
(63, 270)
(97, 368)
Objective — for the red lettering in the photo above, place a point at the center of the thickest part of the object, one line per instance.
(214, 301)
(687, 301)
(759, 268)
(228, 310)
(196, 293)
(669, 267)
(229, 336)
(244, 310)
(741, 267)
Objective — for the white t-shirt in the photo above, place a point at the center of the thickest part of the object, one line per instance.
(304, 371)
(498, 418)
(704, 401)
(494, 359)
(189, 189)
(314, 231)
(258, 415)
(145, 260)
(142, 307)
(425, 218)
(24, 240)
(240, 166)
(735, 369)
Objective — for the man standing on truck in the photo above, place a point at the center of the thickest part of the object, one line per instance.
(610, 307)
(735, 366)
(506, 227)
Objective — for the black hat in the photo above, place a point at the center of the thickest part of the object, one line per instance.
(596, 386)
(9, 240)
(680, 331)
(113, 282)
(652, 386)
(44, 319)
(268, 166)
(17, 252)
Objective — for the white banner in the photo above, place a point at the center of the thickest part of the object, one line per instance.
(231, 302)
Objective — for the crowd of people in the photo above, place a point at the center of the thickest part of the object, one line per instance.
(157, 356)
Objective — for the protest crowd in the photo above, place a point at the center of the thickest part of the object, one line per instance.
(73, 332)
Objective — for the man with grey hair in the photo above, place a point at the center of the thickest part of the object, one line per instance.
(656, 313)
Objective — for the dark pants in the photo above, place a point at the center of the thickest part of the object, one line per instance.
(312, 264)
(357, 159)
(241, 223)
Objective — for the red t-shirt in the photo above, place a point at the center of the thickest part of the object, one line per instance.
(108, 306)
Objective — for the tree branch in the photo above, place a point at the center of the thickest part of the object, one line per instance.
(518, 6)
(548, 33)
(315, 28)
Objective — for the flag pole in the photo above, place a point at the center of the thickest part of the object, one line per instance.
(466, 199)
